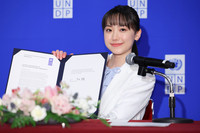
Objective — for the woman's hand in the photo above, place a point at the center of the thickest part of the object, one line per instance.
(60, 54)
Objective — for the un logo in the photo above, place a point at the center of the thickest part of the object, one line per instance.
(178, 64)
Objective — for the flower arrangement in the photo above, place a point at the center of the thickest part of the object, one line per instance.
(52, 105)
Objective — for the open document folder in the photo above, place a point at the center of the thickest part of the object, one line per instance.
(37, 70)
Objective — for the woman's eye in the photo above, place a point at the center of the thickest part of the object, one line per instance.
(108, 30)
(122, 29)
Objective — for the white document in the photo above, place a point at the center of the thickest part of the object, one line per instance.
(83, 74)
(32, 70)
(139, 124)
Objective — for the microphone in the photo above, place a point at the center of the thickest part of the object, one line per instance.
(143, 61)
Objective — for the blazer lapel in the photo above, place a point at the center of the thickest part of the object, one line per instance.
(112, 93)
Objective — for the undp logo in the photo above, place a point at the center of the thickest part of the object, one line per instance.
(62, 9)
(177, 74)
(178, 64)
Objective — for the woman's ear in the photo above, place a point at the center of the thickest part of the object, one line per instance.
(138, 35)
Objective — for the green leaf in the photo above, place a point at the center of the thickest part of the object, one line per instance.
(93, 116)
(22, 121)
(57, 118)
(104, 122)
(7, 116)
(1, 108)
(32, 122)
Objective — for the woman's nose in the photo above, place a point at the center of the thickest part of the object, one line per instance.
(115, 35)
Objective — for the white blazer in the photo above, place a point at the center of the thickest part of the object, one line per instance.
(127, 95)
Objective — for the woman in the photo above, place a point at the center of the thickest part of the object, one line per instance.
(125, 94)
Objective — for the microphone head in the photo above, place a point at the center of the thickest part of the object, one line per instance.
(129, 58)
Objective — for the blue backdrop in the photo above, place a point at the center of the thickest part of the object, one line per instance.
(172, 27)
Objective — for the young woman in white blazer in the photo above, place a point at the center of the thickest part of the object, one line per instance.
(125, 94)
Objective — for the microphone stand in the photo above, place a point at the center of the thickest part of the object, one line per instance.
(142, 71)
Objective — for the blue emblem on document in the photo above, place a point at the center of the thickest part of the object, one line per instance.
(50, 63)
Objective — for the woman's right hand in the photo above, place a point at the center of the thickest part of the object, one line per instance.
(60, 54)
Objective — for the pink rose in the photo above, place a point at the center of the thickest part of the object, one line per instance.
(27, 106)
(50, 92)
(60, 104)
(27, 94)
(6, 99)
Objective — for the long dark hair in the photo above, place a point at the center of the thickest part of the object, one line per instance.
(123, 16)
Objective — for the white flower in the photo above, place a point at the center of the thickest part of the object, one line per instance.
(16, 101)
(38, 113)
(14, 105)
(83, 104)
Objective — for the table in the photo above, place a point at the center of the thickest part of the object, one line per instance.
(95, 126)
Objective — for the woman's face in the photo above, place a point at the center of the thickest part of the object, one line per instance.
(119, 39)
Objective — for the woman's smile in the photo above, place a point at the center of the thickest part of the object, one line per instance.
(116, 44)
